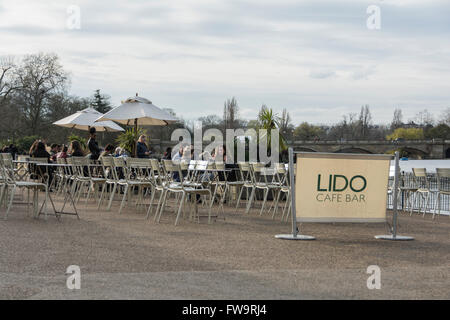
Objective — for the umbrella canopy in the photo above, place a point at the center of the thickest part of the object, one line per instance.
(85, 119)
(138, 111)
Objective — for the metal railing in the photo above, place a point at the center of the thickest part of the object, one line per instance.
(407, 180)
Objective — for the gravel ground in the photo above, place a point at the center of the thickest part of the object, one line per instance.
(127, 257)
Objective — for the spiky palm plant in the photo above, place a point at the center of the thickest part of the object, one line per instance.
(129, 138)
(269, 120)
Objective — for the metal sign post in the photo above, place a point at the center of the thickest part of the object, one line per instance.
(394, 235)
(295, 233)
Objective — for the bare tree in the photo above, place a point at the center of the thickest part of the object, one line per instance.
(424, 118)
(286, 126)
(7, 83)
(39, 76)
(365, 119)
(230, 113)
(445, 118)
(397, 120)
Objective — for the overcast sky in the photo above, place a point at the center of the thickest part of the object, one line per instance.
(316, 58)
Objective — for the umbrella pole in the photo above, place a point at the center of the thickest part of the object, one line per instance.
(135, 130)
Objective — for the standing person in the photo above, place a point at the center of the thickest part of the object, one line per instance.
(141, 148)
(13, 150)
(93, 145)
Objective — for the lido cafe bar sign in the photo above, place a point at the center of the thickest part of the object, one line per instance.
(341, 187)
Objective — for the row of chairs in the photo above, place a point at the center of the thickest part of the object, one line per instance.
(194, 180)
(199, 180)
(13, 179)
(417, 190)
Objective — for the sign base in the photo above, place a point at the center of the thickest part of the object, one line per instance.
(396, 238)
(292, 237)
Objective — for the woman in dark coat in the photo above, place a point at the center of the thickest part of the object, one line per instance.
(75, 149)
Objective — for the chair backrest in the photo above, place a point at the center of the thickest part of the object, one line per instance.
(421, 178)
(23, 157)
(419, 172)
(7, 156)
(256, 171)
(220, 165)
(184, 165)
(443, 176)
(202, 165)
(280, 168)
(244, 171)
(6, 172)
(244, 166)
(139, 168)
(2, 174)
(107, 161)
(443, 172)
(280, 175)
(170, 167)
(7, 159)
(119, 162)
(79, 164)
(61, 169)
(192, 164)
(39, 160)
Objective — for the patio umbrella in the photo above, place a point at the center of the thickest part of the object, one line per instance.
(138, 111)
(85, 119)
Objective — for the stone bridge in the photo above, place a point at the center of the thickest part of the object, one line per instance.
(416, 149)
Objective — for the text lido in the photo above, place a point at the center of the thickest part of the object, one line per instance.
(339, 188)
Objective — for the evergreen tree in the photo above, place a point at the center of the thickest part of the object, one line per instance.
(100, 102)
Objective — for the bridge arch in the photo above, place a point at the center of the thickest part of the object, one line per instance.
(413, 153)
(305, 149)
(353, 150)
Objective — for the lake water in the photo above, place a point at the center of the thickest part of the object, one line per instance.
(429, 165)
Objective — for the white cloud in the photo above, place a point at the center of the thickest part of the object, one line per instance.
(315, 58)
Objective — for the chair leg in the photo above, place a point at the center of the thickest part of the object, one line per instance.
(149, 211)
(412, 197)
(250, 200)
(160, 201)
(239, 197)
(426, 204)
(10, 202)
(125, 193)
(439, 203)
(275, 207)
(266, 193)
(90, 185)
(163, 205)
(180, 207)
(112, 196)
(288, 200)
(101, 196)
